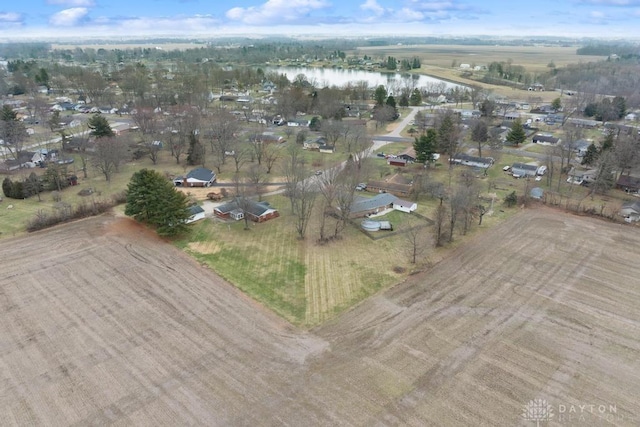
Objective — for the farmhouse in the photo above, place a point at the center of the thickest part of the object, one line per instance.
(630, 184)
(200, 177)
(363, 206)
(238, 208)
(474, 161)
(519, 170)
(196, 214)
(544, 139)
(397, 184)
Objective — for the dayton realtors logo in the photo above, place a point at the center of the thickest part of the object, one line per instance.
(540, 411)
(537, 410)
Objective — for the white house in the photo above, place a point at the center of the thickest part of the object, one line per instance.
(404, 206)
(197, 213)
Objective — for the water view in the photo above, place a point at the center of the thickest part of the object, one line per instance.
(341, 77)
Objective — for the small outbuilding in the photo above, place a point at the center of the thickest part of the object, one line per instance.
(196, 214)
(404, 205)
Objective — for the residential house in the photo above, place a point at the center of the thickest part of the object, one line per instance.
(409, 155)
(196, 213)
(519, 170)
(581, 146)
(238, 208)
(629, 184)
(200, 177)
(320, 144)
(364, 206)
(580, 176)
(298, 123)
(473, 161)
(583, 123)
(266, 138)
(544, 139)
(631, 210)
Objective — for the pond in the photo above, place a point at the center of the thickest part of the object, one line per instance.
(393, 82)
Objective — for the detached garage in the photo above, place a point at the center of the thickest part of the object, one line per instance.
(404, 206)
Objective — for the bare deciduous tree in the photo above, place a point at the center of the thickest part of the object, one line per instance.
(109, 155)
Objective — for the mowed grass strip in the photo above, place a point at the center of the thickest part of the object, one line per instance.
(301, 280)
(263, 262)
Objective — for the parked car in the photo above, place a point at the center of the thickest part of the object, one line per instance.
(541, 170)
(361, 187)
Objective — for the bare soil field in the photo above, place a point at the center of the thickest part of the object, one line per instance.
(103, 323)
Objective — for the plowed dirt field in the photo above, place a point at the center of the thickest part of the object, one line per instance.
(103, 323)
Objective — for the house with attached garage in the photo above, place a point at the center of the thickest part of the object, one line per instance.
(397, 184)
(239, 208)
(200, 177)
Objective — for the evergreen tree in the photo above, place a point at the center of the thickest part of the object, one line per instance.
(607, 142)
(590, 156)
(448, 135)
(195, 154)
(556, 104)
(619, 106)
(404, 101)
(425, 146)
(152, 199)
(100, 126)
(391, 101)
(516, 135)
(416, 97)
(416, 63)
(392, 63)
(380, 95)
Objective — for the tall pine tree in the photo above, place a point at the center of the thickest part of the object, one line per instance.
(152, 199)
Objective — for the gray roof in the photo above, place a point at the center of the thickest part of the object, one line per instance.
(525, 167)
(632, 204)
(201, 174)
(194, 210)
(362, 204)
(537, 193)
(253, 207)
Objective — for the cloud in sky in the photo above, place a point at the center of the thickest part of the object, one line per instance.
(73, 3)
(373, 6)
(68, 17)
(622, 3)
(275, 11)
(10, 17)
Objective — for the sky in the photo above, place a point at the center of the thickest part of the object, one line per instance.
(72, 19)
